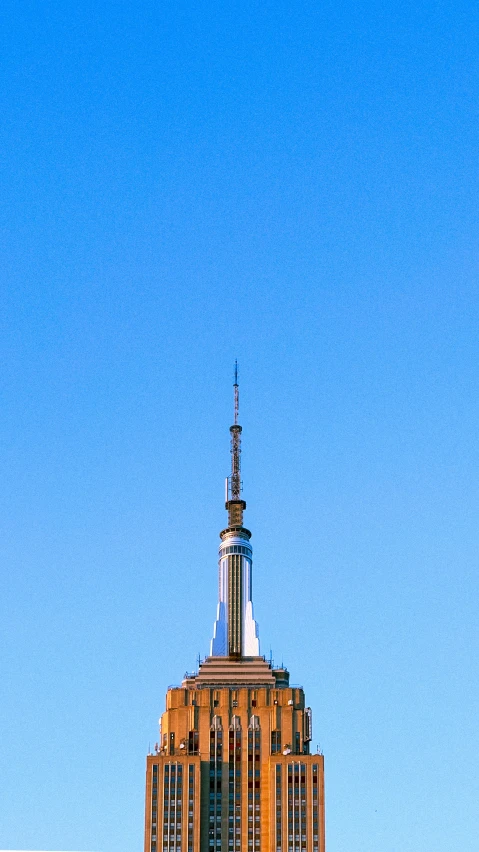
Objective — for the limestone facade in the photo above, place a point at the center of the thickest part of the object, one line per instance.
(233, 770)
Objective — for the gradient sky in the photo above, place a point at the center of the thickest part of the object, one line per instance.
(294, 185)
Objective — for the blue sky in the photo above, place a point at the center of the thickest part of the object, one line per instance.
(294, 185)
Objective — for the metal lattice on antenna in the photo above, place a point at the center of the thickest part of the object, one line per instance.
(236, 390)
(236, 445)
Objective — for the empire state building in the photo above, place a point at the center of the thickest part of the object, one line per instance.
(232, 771)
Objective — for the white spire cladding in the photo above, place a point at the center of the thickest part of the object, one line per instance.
(235, 631)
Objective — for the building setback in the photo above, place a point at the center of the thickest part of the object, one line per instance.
(232, 771)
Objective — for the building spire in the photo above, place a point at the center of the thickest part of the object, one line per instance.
(235, 631)
(234, 491)
(234, 504)
(236, 393)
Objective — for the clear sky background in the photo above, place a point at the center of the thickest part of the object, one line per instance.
(294, 185)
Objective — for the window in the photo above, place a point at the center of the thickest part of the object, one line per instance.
(235, 548)
(193, 742)
(275, 742)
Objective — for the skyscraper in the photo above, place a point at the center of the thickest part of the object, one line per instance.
(232, 771)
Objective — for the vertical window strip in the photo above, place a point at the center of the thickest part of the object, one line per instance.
(216, 762)
(154, 808)
(254, 787)
(174, 801)
(178, 804)
(172, 810)
(315, 808)
(166, 808)
(278, 809)
(191, 806)
(250, 790)
(297, 825)
(235, 573)
(234, 791)
(303, 805)
(297, 807)
(173, 806)
(290, 809)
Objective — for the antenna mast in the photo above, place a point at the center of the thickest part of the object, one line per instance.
(235, 430)
(236, 393)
